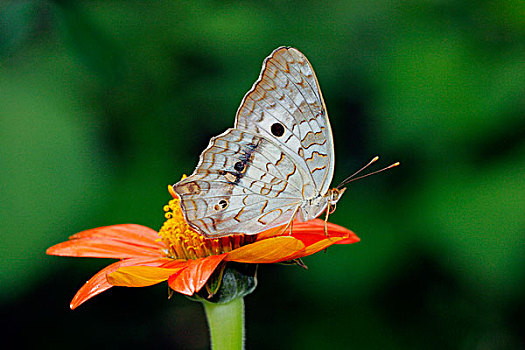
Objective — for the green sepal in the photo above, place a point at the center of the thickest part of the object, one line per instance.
(231, 281)
(215, 280)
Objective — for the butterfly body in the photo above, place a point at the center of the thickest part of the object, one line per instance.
(275, 165)
(312, 208)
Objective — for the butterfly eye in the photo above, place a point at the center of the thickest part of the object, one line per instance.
(277, 129)
(223, 203)
(239, 166)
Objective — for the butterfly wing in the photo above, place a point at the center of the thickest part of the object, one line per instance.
(243, 183)
(285, 105)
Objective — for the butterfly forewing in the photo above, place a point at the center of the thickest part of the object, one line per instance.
(243, 184)
(286, 106)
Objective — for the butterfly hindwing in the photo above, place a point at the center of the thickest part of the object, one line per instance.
(243, 183)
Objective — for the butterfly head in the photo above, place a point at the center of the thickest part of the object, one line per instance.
(334, 194)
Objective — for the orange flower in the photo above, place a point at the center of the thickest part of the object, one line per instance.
(183, 257)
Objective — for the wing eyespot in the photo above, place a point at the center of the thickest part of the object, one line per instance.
(277, 129)
(239, 166)
(223, 204)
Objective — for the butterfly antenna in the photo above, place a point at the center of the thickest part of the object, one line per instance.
(357, 172)
(351, 178)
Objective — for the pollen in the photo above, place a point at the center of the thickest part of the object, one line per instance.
(185, 243)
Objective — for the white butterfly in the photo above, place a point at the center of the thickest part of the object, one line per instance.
(275, 165)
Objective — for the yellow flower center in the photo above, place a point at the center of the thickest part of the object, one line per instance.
(184, 243)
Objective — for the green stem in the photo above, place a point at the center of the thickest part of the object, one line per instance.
(226, 322)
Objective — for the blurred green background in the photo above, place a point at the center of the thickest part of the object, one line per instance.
(104, 103)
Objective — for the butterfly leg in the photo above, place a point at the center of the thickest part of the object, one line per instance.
(326, 220)
(329, 210)
(290, 223)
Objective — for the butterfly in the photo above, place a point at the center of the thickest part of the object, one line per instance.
(275, 165)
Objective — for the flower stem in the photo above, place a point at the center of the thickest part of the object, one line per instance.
(226, 322)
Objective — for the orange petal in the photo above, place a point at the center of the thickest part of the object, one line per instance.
(98, 283)
(275, 231)
(117, 242)
(313, 231)
(132, 233)
(268, 250)
(316, 247)
(195, 275)
(100, 248)
(142, 276)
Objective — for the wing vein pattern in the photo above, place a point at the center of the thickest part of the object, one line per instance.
(277, 158)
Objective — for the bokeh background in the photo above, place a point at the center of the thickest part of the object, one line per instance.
(104, 103)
